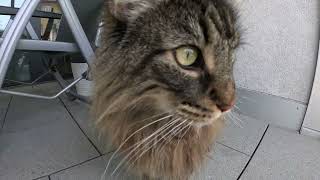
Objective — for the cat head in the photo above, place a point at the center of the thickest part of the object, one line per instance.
(165, 69)
(166, 56)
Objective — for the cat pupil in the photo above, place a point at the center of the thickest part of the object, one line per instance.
(188, 54)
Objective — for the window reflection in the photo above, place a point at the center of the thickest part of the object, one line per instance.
(5, 2)
(3, 18)
(3, 22)
(24, 65)
(18, 3)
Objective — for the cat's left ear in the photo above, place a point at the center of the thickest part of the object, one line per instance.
(128, 10)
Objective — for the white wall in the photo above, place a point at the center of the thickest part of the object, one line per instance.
(281, 53)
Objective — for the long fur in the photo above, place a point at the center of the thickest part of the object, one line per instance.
(161, 118)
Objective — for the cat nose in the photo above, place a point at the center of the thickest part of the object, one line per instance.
(226, 107)
(223, 96)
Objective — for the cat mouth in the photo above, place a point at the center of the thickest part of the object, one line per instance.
(188, 124)
(197, 114)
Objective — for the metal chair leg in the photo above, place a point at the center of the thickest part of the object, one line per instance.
(77, 30)
(15, 30)
(29, 83)
(71, 94)
(43, 97)
(10, 41)
(32, 33)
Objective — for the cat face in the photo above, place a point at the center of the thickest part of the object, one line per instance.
(165, 65)
(178, 53)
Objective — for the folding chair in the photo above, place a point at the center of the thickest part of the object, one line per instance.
(11, 41)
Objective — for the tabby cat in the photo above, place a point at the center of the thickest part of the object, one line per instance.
(163, 81)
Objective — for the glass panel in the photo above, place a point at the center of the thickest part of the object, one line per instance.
(4, 19)
(5, 3)
(18, 3)
(3, 22)
(50, 6)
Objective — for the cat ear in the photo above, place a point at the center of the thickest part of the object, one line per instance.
(128, 10)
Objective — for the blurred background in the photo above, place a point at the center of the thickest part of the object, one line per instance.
(25, 66)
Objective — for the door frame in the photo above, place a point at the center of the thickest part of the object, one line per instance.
(311, 123)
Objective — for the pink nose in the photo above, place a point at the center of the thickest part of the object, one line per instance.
(226, 107)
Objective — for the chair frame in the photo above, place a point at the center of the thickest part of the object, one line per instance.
(11, 42)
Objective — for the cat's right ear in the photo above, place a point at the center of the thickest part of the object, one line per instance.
(128, 10)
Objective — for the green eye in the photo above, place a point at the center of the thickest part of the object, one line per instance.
(187, 56)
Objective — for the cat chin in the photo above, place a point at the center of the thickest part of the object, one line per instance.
(216, 116)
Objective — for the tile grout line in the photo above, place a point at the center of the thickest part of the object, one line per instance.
(254, 152)
(7, 110)
(233, 149)
(75, 121)
(72, 166)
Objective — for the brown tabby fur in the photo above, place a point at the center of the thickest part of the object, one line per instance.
(136, 77)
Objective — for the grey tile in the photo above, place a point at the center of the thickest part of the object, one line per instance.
(81, 113)
(223, 164)
(4, 102)
(244, 138)
(90, 170)
(39, 138)
(270, 108)
(79, 110)
(29, 105)
(28, 113)
(285, 155)
(44, 178)
(93, 170)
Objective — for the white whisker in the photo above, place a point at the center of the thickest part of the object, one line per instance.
(102, 116)
(154, 144)
(127, 156)
(126, 140)
(166, 135)
(239, 101)
(189, 127)
(149, 118)
(234, 121)
(248, 99)
(170, 139)
(162, 128)
(160, 131)
(236, 116)
(181, 130)
(236, 107)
